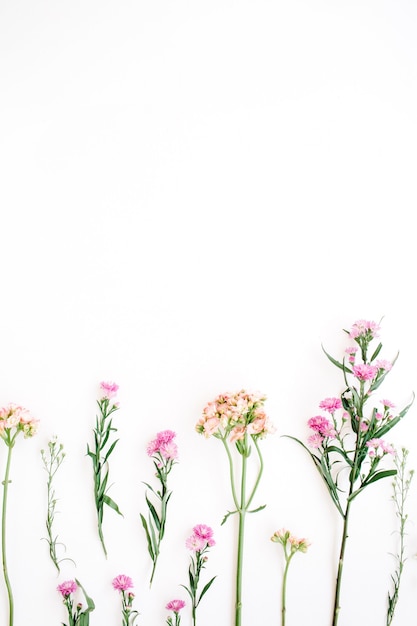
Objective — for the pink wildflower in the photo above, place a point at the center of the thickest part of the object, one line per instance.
(16, 416)
(363, 328)
(365, 372)
(109, 390)
(164, 444)
(330, 404)
(169, 450)
(315, 440)
(175, 605)
(388, 404)
(381, 364)
(378, 448)
(195, 543)
(322, 426)
(67, 588)
(122, 583)
(205, 533)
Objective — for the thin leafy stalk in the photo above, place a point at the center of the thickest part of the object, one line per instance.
(52, 460)
(77, 614)
(164, 452)
(124, 585)
(401, 487)
(199, 544)
(100, 453)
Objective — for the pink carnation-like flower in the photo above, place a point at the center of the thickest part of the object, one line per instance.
(122, 583)
(365, 372)
(330, 404)
(109, 390)
(378, 447)
(322, 426)
(315, 440)
(175, 605)
(195, 543)
(67, 588)
(363, 328)
(164, 444)
(388, 404)
(382, 364)
(205, 533)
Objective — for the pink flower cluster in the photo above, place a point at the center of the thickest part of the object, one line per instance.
(364, 328)
(377, 448)
(364, 372)
(163, 444)
(235, 414)
(201, 538)
(283, 536)
(15, 416)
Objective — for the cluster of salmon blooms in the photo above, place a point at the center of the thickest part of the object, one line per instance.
(235, 414)
(15, 418)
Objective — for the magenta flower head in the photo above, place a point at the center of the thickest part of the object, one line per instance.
(364, 328)
(122, 583)
(365, 372)
(67, 588)
(175, 605)
(109, 390)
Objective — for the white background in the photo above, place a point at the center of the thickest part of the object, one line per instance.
(195, 195)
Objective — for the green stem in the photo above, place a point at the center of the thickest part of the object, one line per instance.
(284, 588)
(3, 533)
(261, 468)
(242, 514)
(336, 609)
(231, 471)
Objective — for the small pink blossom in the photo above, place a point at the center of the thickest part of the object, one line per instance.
(175, 605)
(164, 444)
(388, 404)
(169, 450)
(322, 426)
(195, 543)
(383, 365)
(364, 426)
(204, 532)
(109, 390)
(378, 448)
(330, 404)
(315, 440)
(67, 588)
(122, 583)
(364, 328)
(365, 372)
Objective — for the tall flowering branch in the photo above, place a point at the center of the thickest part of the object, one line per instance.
(164, 452)
(14, 419)
(290, 545)
(198, 543)
(77, 614)
(100, 453)
(52, 459)
(401, 487)
(175, 606)
(238, 420)
(124, 584)
(349, 438)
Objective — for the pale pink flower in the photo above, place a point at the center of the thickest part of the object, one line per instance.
(165, 436)
(175, 605)
(364, 426)
(383, 365)
(211, 426)
(205, 533)
(169, 450)
(67, 588)
(365, 372)
(315, 440)
(388, 404)
(122, 583)
(363, 328)
(378, 447)
(237, 433)
(330, 404)
(195, 543)
(109, 390)
(16, 416)
(378, 416)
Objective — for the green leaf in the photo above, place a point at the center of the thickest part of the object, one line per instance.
(258, 509)
(379, 475)
(228, 514)
(148, 537)
(205, 589)
(341, 366)
(154, 513)
(111, 503)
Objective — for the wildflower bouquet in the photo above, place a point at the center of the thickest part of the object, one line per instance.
(123, 584)
(164, 452)
(14, 419)
(291, 545)
(349, 438)
(76, 615)
(101, 452)
(175, 606)
(198, 543)
(238, 420)
(52, 459)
